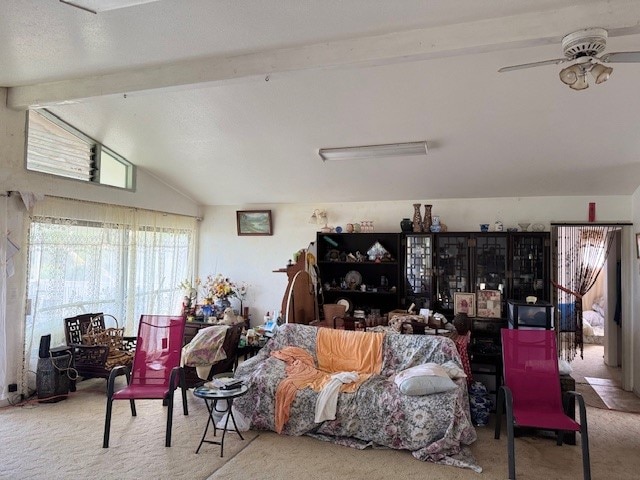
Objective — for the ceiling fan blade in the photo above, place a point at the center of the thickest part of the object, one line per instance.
(557, 61)
(621, 57)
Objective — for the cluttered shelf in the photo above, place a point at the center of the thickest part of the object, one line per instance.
(363, 292)
(340, 262)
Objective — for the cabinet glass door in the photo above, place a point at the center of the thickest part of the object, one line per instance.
(452, 269)
(491, 263)
(418, 270)
(528, 267)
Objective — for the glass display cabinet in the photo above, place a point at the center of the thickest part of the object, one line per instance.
(530, 269)
(451, 268)
(418, 270)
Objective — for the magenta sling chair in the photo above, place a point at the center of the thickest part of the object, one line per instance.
(531, 392)
(156, 370)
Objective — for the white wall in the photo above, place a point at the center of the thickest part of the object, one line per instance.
(253, 259)
(631, 335)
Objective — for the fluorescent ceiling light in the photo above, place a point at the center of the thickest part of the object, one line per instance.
(95, 6)
(374, 151)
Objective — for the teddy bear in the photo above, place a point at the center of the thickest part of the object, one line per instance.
(230, 317)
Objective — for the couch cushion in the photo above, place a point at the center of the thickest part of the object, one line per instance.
(424, 379)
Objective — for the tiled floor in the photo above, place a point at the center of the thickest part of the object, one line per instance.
(613, 396)
(600, 384)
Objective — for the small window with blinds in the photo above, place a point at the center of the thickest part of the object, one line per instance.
(57, 148)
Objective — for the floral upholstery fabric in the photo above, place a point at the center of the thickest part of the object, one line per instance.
(434, 428)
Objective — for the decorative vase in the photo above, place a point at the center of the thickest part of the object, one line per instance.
(426, 223)
(406, 225)
(417, 218)
(221, 305)
(462, 323)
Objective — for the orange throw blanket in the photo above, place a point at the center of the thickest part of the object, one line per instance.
(337, 351)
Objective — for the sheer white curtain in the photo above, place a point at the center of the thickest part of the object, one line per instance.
(89, 257)
(3, 296)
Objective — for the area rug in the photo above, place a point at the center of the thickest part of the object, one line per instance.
(64, 440)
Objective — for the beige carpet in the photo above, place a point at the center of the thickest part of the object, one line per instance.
(64, 440)
(614, 440)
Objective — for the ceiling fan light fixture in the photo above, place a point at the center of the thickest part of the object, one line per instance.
(580, 84)
(570, 75)
(601, 73)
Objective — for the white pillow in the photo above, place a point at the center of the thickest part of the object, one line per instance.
(596, 307)
(453, 370)
(424, 379)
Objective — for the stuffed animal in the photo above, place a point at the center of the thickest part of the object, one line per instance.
(230, 317)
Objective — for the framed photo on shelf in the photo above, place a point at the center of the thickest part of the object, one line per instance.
(254, 222)
(489, 304)
(464, 302)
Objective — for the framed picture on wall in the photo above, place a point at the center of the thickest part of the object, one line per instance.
(254, 222)
(638, 244)
(464, 303)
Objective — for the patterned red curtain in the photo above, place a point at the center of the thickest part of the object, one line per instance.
(581, 253)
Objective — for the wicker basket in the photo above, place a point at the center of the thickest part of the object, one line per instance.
(331, 310)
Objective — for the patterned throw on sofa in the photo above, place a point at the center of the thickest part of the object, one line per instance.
(435, 427)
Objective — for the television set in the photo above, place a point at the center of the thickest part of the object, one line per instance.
(525, 315)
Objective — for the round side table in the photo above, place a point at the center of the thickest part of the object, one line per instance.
(211, 397)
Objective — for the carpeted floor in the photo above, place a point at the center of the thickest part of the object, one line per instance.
(613, 438)
(64, 440)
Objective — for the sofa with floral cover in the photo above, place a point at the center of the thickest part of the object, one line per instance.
(286, 380)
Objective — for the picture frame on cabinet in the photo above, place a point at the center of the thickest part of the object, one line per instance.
(464, 302)
(254, 222)
(489, 304)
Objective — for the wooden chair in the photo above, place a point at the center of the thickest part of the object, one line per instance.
(232, 350)
(156, 371)
(92, 360)
(531, 392)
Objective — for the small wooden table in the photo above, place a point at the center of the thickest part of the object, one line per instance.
(211, 397)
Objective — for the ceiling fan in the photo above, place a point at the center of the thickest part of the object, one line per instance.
(582, 48)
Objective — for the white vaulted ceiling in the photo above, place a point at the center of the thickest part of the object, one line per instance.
(229, 101)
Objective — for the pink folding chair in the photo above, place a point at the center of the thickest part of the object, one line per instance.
(156, 370)
(531, 392)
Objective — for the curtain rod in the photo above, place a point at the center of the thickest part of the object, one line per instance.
(614, 223)
(197, 217)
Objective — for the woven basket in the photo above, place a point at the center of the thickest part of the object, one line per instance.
(333, 310)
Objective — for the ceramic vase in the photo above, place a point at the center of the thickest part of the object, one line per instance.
(426, 223)
(221, 304)
(417, 218)
(406, 225)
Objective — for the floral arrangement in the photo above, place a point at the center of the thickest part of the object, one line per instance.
(190, 289)
(219, 287)
(215, 287)
(241, 290)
